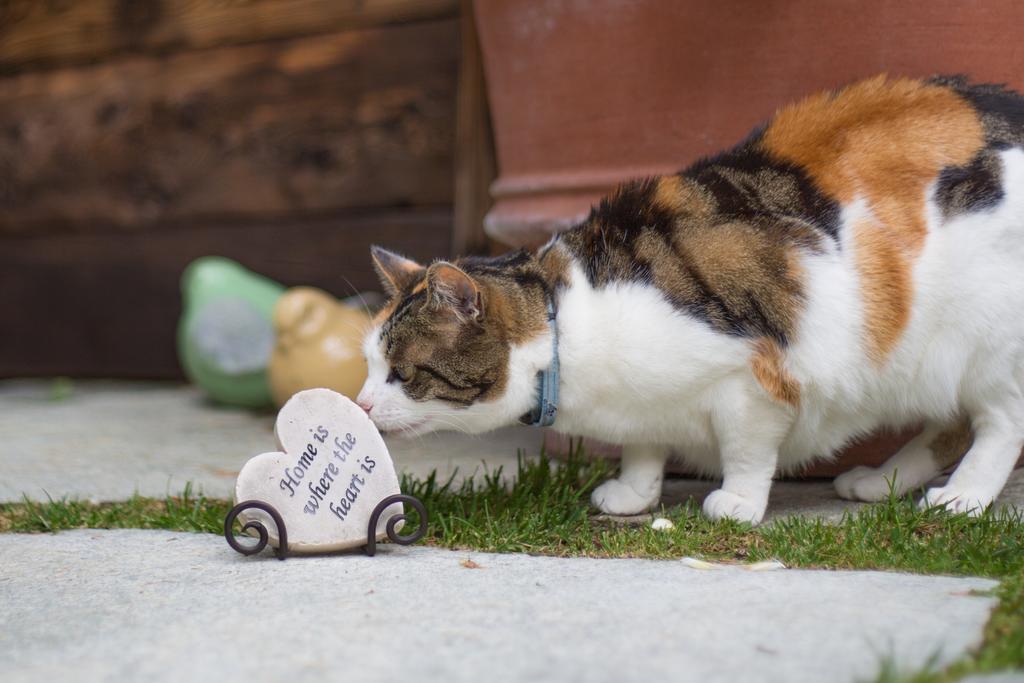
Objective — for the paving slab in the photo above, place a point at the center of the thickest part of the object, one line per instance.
(166, 606)
(813, 497)
(109, 440)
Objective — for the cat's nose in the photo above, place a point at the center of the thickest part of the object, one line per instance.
(365, 404)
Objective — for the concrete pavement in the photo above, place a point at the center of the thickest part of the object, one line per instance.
(162, 606)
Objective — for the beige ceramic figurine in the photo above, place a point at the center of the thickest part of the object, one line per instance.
(317, 344)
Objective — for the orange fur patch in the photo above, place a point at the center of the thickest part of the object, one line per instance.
(676, 195)
(767, 364)
(883, 139)
(667, 193)
(886, 287)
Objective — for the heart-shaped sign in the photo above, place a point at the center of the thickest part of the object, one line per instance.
(332, 471)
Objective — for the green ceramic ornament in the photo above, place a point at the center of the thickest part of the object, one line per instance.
(225, 335)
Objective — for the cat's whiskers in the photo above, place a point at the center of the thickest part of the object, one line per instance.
(448, 420)
(357, 293)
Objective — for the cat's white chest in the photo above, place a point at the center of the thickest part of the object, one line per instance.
(637, 370)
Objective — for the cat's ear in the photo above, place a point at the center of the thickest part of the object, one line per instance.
(453, 290)
(395, 272)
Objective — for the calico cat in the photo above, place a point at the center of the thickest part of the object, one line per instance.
(856, 263)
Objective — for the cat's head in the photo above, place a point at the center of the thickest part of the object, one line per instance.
(457, 346)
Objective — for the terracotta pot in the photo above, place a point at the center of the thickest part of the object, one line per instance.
(585, 94)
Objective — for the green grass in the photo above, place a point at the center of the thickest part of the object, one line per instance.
(187, 512)
(546, 511)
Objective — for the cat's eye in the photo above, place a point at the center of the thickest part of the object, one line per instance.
(403, 373)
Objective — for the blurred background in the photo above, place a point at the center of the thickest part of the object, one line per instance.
(290, 135)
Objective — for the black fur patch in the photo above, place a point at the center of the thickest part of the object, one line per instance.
(978, 186)
(975, 187)
(631, 209)
(517, 267)
(605, 243)
(1001, 109)
(747, 182)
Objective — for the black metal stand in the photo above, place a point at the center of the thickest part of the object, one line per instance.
(371, 531)
(282, 533)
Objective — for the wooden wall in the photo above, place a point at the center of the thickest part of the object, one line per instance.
(135, 136)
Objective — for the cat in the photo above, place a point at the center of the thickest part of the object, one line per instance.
(856, 263)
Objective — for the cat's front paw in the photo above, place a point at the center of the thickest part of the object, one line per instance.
(616, 497)
(862, 483)
(722, 504)
(953, 499)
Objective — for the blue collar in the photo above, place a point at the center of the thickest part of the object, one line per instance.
(543, 414)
